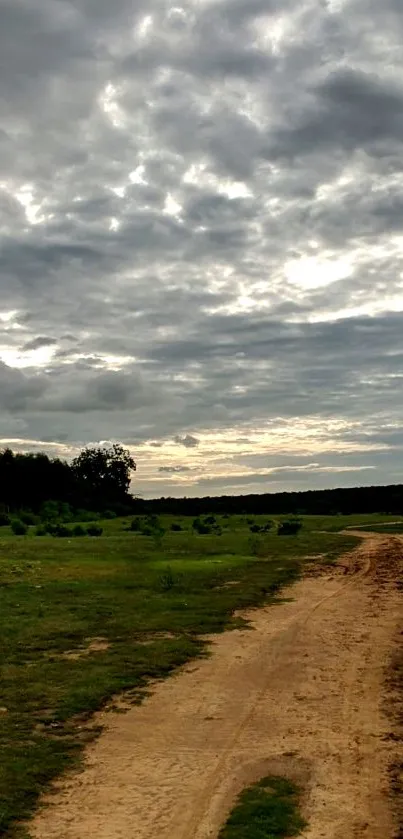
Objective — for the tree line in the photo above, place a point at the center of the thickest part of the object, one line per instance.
(98, 479)
(326, 502)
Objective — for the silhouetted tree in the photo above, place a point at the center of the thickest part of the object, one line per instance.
(104, 474)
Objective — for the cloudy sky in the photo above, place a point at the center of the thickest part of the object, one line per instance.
(201, 212)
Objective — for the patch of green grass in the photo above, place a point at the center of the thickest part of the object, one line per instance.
(149, 602)
(333, 524)
(266, 810)
(378, 527)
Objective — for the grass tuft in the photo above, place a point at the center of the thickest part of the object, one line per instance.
(266, 810)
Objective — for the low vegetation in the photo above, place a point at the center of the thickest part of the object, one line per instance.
(82, 619)
(266, 810)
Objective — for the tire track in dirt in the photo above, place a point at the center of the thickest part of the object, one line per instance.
(302, 694)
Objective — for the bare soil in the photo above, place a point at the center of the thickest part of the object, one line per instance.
(303, 694)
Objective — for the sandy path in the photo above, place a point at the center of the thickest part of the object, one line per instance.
(301, 694)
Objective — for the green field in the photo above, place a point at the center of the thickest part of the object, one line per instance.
(84, 618)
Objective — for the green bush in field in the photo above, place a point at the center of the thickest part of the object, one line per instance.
(62, 532)
(94, 530)
(175, 527)
(18, 527)
(109, 514)
(289, 527)
(135, 525)
(4, 519)
(79, 530)
(27, 517)
(40, 530)
(261, 528)
(206, 524)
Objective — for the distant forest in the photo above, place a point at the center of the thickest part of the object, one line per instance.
(326, 502)
(99, 480)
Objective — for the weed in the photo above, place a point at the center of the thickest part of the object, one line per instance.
(167, 580)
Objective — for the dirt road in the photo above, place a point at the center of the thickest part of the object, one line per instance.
(302, 694)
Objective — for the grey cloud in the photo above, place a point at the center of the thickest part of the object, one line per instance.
(39, 342)
(349, 109)
(188, 441)
(174, 470)
(19, 392)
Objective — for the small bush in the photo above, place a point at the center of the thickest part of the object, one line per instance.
(254, 528)
(109, 514)
(41, 530)
(289, 527)
(28, 518)
(79, 530)
(175, 527)
(61, 531)
(201, 527)
(4, 520)
(18, 527)
(94, 530)
(135, 525)
(50, 511)
(267, 527)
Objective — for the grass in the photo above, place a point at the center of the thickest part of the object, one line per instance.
(148, 601)
(266, 810)
(388, 528)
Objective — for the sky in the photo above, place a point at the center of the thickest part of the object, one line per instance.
(201, 223)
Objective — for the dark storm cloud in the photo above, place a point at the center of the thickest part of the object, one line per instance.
(173, 181)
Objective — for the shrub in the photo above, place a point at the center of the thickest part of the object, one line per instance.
(267, 527)
(27, 517)
(176, 527)
(61, 531)
(94, 530)
(254, 528)
(79, 530)
(109, 514)
(50, 511)
(41, 530)
(201, 527)
(135, 525)
(289, 527)
(18, 527)
(4, 520)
